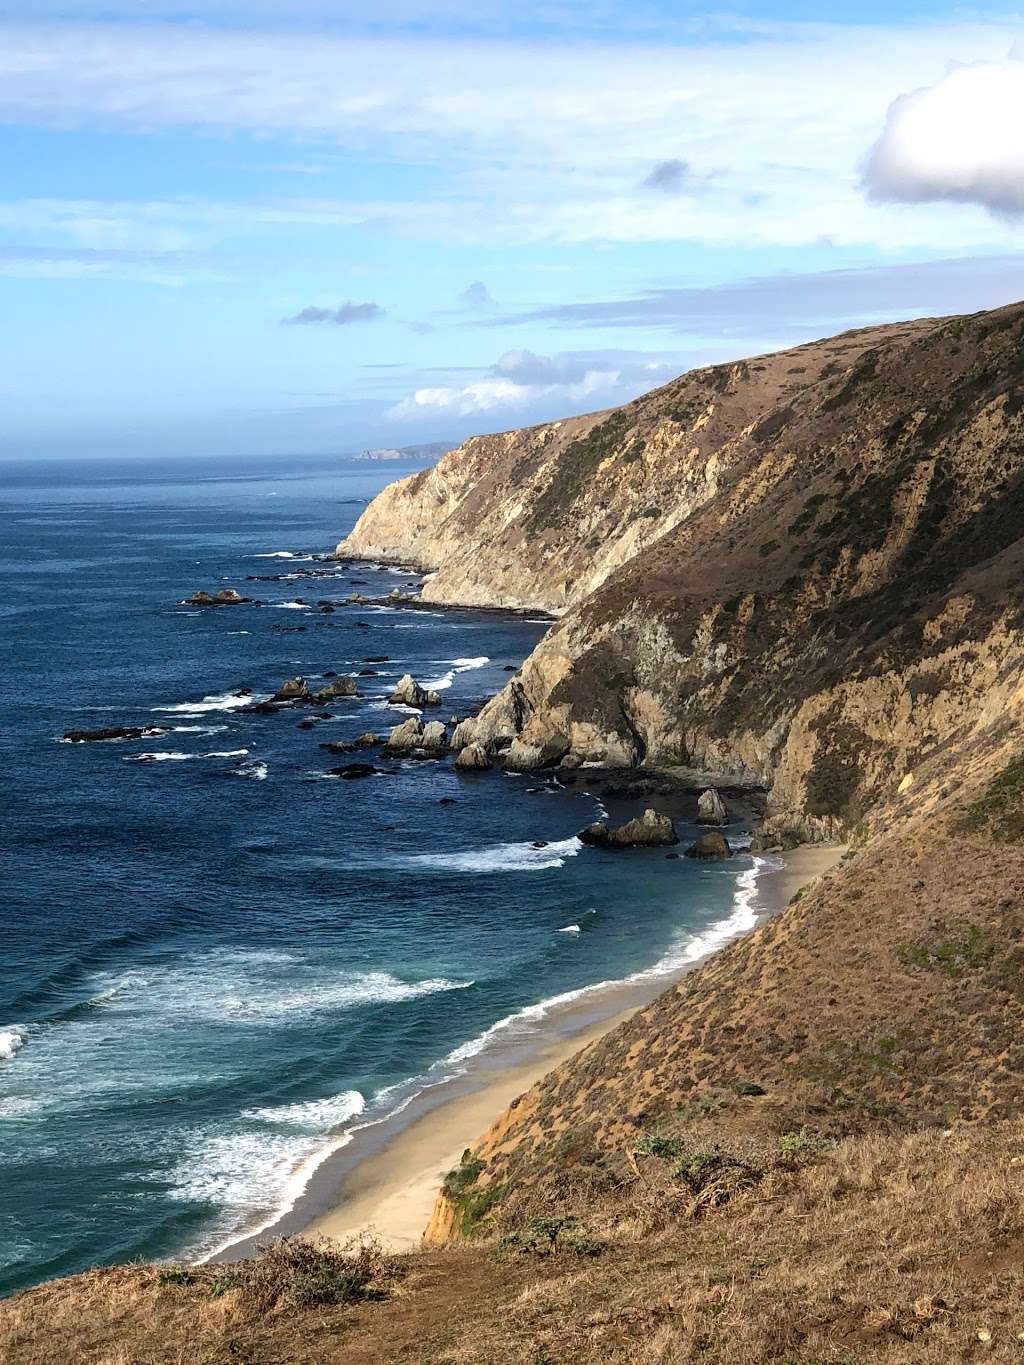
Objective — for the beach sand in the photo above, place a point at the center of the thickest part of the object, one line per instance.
(391, 1191)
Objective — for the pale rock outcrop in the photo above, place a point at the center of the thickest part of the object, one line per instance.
(408, 692)
(464, 734)
(293, 689)
(473, 758)
(649, 830)
(711, 809)
(412, 735)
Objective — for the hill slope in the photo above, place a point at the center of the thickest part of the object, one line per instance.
(806, 570)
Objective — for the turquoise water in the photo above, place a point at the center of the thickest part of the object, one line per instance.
(214, 960)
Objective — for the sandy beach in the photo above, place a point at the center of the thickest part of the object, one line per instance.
(391, 1190)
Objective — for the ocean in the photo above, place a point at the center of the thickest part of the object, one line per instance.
(219, 961)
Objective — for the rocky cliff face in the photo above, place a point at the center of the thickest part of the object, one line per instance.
(802, 569)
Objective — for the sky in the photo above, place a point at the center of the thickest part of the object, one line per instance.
(305, 226)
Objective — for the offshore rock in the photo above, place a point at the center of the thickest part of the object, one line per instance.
(710, 846)
(341, 687)
(473, 758)
(711, 809)
(113, 732)
(227, 597)
(408, 692)
(294, 689)
(649, 830)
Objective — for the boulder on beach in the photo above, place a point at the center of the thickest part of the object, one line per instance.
(473, 758)
(711, 809)
(113, 732)
(649, 830)
(408, 692)
(709, 846)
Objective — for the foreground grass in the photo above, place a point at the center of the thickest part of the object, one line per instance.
(878, 1248)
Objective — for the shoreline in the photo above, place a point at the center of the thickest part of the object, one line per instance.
(383, 1177)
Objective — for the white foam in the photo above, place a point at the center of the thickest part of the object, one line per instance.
(257, 771)
(318, 1116)
(176, 756)
(291, 606)
(218, 701)
(570, 929)
(195, 729)
(276, 554)
(445, 681)
(231, 984)
(12, 1040)
(501, 857)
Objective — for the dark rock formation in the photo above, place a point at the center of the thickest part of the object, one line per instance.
(113, 732)
(709, 846)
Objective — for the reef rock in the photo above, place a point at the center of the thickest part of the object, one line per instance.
(113, 732)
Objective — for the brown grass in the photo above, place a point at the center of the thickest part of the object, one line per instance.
(881, 1248)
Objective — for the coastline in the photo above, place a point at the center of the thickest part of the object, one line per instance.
(383, 1178)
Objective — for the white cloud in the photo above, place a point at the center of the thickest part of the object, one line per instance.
(961, 139)
(522, 379)
(774, 127)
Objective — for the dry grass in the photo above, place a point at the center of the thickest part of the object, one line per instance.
(882, 1248)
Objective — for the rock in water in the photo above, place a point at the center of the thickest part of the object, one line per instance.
(227, 597)
(294, 689)
(463, 734)
(113, 732)
(473, 758)
(435, 736)
(353, 770)
(711, 809)
(341, 687)
(712, 845)
(409, 693)
(408, 735)
(649, 830)
(521, 757)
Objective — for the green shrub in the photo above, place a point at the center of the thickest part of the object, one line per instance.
(655, 1144)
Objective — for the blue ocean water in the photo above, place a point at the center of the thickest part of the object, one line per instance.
(213, 960)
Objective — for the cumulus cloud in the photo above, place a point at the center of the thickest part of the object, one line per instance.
(522, 379)
(671, 177)
(961, 139)
(337, 317)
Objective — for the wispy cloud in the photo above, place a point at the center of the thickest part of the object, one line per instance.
(343, 316)
(564, 154)
(785, 306)
(958, 140)
(477, 296)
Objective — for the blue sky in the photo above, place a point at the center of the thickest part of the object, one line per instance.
(250, 226)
